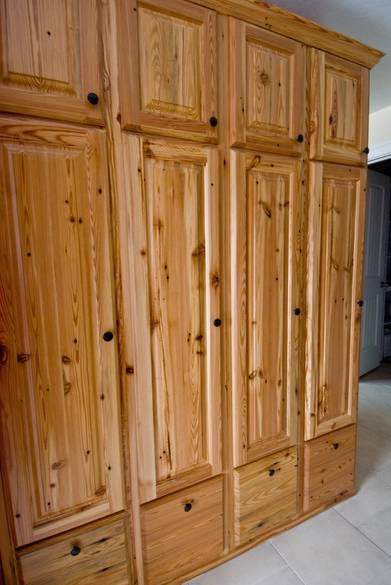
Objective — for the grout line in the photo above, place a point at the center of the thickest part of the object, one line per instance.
(287, 563)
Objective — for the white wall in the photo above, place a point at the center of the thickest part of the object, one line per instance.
(380, 133)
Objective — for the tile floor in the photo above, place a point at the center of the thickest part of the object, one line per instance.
(349, 544)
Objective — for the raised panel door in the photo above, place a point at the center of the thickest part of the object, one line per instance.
(334, 274)
(50, 59)
(60, 436)
(267, 89)
(176, 302)
(338, 109)
(168, 68)
(266, 264)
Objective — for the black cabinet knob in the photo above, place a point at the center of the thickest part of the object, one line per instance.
(360, 303)
(93, 98)
(335, 445)
(108, 336)
(272, 472)
(297, 311)
(213, 121)
(300, 138)
(187, 507)
(75, 550)
(217, 322)
(366, 150)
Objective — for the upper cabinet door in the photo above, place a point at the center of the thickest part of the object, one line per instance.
(49, 59)
(266, 264)
(338, 109)
(168, 68)
(335, 258)
(174, 214)
(59, 420)
(267, 89)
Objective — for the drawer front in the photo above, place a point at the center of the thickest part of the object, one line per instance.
(182, 531)
(85, 557)
(265, 495)
(329, 467)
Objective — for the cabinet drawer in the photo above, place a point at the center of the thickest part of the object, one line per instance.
(182, 531)
(265, 494)
(329, 467)
(84, 557)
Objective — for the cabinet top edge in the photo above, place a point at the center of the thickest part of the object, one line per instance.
(296, 27)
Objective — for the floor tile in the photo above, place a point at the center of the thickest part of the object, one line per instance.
(284, 576)
(373, 497)
(327, 550)
(378, 529)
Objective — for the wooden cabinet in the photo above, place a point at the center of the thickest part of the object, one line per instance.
(50, 59)
(59, 415)
(177, 321)
(168, 68)
(266, 252)
(335, 256)
(267, 75)
(339, 93)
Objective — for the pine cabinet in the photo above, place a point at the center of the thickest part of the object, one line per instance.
(59, 415)
(50, 59)
(177, 319)
(334, 271)
(266, 302)
(168, 68)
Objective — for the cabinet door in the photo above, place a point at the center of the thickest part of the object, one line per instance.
(267, 89)
(266, 260)
(59, 405)
(168, 68)
(338, 109)
(335, 257)
(49, 59)
(174, 214)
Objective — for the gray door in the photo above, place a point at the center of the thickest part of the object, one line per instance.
(375, 267)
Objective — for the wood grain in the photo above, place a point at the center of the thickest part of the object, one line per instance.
(334, 273)
(50, 59)
(60, 417)
(168, 68)
(265, 260)
(176, 541)
(265, 495)
(267, 82)
(329, 463)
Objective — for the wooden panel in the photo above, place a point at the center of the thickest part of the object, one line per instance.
(175, 231)
(60, 423)
(338, 109)
(265, 495)
(329, 468)
(265, 293)
(49, 58)
(177, 541)
(335, 257)
(167, 53)
(101, 560)
(268, 89)
(288, 24)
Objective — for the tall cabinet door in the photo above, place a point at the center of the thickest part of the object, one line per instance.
(60, 437)
(335, 258)
(168, 68)
(50, 59)
(266, 252)
(268, 84)
(339, 93)
(174, 214)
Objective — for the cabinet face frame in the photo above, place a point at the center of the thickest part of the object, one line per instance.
(244, 417)
(162, 117)
(318, 279)
(324, 68)
(31, 427)
(30, 92)
(292, 71)
(157, 442)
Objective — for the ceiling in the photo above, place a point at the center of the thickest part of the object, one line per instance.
(368, 21)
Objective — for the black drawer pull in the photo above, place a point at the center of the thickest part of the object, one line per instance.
(213, 121)
(272, 472)
(93, 98)
(108, 336)
(360, 303)
(217, 322)
(366, 150)
(335, 445)
(75, 550)
(300, 138)
(188, 506)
